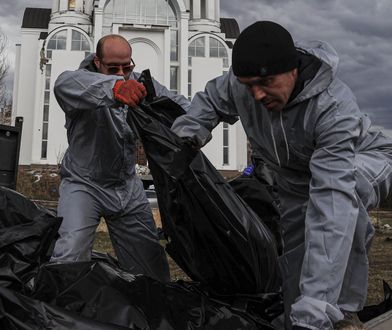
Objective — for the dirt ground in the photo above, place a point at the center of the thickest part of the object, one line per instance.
(380, 260)
(41, 184)
(380, 265)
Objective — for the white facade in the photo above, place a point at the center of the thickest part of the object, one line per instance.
(181, 42)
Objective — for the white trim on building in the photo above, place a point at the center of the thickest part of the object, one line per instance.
(181, 42)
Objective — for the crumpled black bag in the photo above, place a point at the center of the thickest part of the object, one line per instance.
(27, 234)
(35, 294)
(213, 234)
(97, 295)
(372, 311)
(257, 195)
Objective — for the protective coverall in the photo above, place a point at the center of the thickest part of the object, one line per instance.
(331, 167)
(98, 175)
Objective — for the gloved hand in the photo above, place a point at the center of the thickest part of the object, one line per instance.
(190, 142)
(129, 92)
(248, 171)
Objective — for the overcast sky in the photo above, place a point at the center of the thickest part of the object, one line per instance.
(360, 31)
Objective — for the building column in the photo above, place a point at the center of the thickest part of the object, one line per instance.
(63, 5)
(15, 92)
(98, 22)
(183, 53)
(217, 10)
(55, 6)
(166, 58)
(196, 10)
(37, 120)
(210, 8)
(79, 5)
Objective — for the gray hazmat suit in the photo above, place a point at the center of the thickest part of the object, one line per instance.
(331, 168)
(98, 175)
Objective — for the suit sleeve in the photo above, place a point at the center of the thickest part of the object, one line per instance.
(207, 110)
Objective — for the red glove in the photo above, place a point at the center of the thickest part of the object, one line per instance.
(129, 92)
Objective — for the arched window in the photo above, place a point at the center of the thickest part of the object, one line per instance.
(68, 39)
(217, 49)
(58, 40)
(149, 12)
(79, 41)
(155, 12)
(196, 48)
(205, 46)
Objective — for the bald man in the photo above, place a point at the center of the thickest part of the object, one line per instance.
(98, 169)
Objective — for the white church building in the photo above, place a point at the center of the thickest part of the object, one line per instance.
(184, 43)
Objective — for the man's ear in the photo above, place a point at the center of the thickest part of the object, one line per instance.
(97, 63)
(295, 73)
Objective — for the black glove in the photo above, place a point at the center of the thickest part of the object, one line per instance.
(191, 143)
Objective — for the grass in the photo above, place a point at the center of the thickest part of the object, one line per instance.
(379, 261)
(41, 183)
(102, 243)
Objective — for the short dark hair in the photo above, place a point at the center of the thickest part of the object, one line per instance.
(100, 44)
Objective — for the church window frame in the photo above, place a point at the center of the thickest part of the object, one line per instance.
(58, 41)
(79, 42)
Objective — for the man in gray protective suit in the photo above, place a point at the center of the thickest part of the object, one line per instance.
(98, 169)
(305, 124)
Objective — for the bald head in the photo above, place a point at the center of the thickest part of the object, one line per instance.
(113, 56)
(110, 40)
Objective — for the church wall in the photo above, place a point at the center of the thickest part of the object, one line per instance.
(29, 63)
(151, 49)
(57, 141)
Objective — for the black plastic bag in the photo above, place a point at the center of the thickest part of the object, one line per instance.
(98, 294)
(213, 234)
(258, 196)
(27, 234)
(372, 311)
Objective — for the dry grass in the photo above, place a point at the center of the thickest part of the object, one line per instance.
(379, 259)
(380, 265)
(41, 183)
(102, 243)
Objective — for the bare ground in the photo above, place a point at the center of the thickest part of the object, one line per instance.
(380, 260)
(380, 265)
(41, 183)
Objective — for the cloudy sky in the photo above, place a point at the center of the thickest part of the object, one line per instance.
(360, 31)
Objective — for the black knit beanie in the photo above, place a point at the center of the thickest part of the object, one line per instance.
(262, 49)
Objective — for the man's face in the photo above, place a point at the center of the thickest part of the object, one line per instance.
(272, 91)
(116, 58)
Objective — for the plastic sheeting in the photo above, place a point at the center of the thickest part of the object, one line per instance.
(27, 232)
(97, 294)
(214, 236)
(258, 196)
(372, 311)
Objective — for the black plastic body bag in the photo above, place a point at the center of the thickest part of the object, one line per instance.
(36, 295)
(214, 236)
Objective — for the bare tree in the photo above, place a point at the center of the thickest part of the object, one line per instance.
(6, 114)
(3, 58)
(3, 73)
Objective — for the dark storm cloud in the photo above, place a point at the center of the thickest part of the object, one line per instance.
(359, 30)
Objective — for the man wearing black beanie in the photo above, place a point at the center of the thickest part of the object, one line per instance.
(305, 125)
